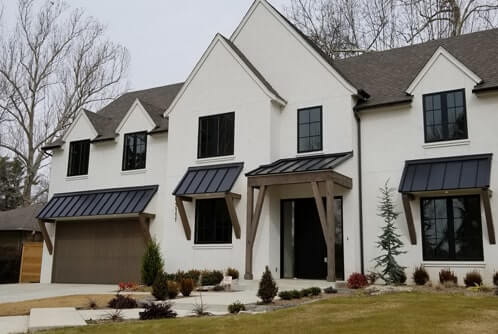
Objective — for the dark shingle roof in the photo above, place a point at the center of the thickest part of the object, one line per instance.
(386, 75)
(20, 219)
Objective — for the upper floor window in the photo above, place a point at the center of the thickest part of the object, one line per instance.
(445, 116)
(212, 222)
(135, 149)
(309, 129)
(451, 229)
(79, 154)
(216, 135)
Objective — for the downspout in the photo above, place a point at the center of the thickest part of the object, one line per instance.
(360, 188)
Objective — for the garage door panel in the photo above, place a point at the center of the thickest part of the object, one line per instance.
(98, 252)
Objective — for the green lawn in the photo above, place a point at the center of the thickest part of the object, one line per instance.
(396, 313)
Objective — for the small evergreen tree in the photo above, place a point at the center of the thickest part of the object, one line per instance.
(389, 242)
(160, 286)
(267, 287)
(152, 263)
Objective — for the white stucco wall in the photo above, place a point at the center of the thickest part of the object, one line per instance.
(393, 135)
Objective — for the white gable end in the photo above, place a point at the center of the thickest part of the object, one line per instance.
(439, 58)
(80, 129)
(136, 119)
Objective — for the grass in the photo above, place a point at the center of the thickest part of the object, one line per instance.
(396, 313)
(78, 301)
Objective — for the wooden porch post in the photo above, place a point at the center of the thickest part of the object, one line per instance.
(331, 229)
(46, 236)
(249, 241)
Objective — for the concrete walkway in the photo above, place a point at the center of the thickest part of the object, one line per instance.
(21, 292)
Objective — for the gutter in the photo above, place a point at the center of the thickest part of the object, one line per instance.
(360, 190)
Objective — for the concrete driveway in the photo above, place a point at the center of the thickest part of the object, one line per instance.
(21, 292)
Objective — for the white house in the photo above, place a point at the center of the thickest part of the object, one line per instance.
(272, 154)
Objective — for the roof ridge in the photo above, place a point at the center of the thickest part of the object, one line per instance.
(151, 88)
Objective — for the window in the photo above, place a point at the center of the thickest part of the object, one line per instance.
(135, 150)
(212, 222)
(79, 153)
(216, 135)
(451, 228)
(309, 130)
(445, 116)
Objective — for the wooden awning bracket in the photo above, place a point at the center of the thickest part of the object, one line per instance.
(485, 195)
(46, 236)
(233, 214)
(183, 217)
(144, 221)
(406, 198)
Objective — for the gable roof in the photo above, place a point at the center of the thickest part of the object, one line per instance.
(386, 75)
(20, 219)
(154, 100)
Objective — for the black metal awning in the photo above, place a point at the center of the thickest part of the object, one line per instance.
(302, 164)
(208, 179)
(116, 201)
(451, 173)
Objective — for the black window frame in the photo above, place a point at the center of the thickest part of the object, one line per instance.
(228, 226)
(444, 115)
(451, 231)
(124, 166)
(299, 132)
(218, 153)
(82, 168)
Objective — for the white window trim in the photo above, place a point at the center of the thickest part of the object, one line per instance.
(448, 143)
(212, 246)
(77, 177)
(454, 264)
(134, 171)
(215, 159)
(306, 154)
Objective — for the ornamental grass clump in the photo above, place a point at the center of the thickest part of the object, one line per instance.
(267, 287)
(236, 307)
(472, 279)
(122, 302)
(234, 273)
(157, 311)
(446, 276)
(420, 276)
(172, 289)
(186, 286)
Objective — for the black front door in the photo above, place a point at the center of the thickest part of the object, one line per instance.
(304, 250)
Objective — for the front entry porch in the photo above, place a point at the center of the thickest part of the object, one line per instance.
(317, 172)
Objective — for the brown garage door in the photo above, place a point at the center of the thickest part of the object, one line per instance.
(98, 252)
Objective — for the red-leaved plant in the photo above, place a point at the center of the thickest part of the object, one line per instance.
(357, 281)
(127, 286)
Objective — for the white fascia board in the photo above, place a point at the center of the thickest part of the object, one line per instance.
(129, 112)
(441, 52)
(344, 82)
(81, 115)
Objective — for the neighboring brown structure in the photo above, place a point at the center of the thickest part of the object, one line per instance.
(16, 227)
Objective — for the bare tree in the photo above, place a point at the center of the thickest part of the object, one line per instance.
(347, 27)
(53, 63)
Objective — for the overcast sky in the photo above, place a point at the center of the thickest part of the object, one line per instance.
(166, 38)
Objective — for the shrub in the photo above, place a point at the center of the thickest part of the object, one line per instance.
(401, 277)
(186, 286)
(267, 287)
(372, 277)
(127, 286)
(194, 274)
(160, 286)
(170, 277)
(295, 294)
(420, 275)
(305, 293)
(179, 276)
(121, 302)
(157, 311)
(473, 278)
(447, 276)
(92, 304)
(114, 316)
(152, 263)
(495, 279)
(330, 289)
(357, 281)
(315, 291)
(236, 307)
(209, 277)
(172, 289)
(233, 272)
(218, 288)
(285, 295)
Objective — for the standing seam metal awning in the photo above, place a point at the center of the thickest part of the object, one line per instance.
(451, 173)
(209, 179)
(116, 201)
